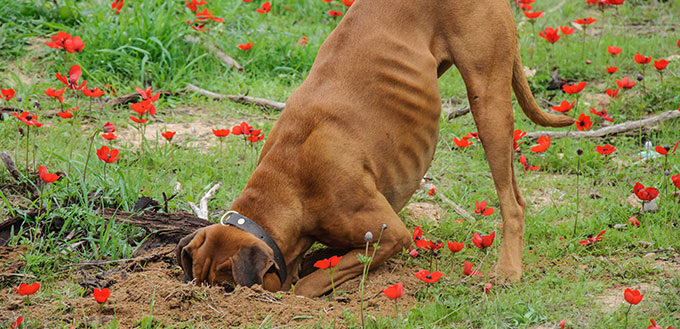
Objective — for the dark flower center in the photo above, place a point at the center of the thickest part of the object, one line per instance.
(429, 277)
(29, 117)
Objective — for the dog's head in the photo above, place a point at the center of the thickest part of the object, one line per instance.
(220, 254)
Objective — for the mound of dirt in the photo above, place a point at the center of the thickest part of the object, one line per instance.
(153, 291)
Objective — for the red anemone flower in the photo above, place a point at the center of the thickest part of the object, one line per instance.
(25, 289)
(68, 113)
(207, 15)
(147, 95)
(653, 325)
(533, 15)
(661, 64)
(328, 262)
(543, 144)
(58, 40)
(605, 150)
(335, 13)
(221, 132)
(106, 155)
(430, 191)
(143, 107)
(46, 176)
(196, 26)
(246, 46)
(72, 81)
(51, 92)
(592, 239)
(168, 135)
(74, 45)
(255, 138)
(525, 163)
(612, 69)
(94, 92)
(603, 114)
(463, 142)
(516, 136)
(645, 194)
(109, 128)
(633, 297)
(193, 4)
(583, 123)
(564, 107)
(138, 120)
(243, 129)
(574, 89)
(101, 296)
(550, 34)
(266, 7)
(467, 269)
(613, 50)
(566, 30)
(585, 21)
(427, 277)
(117, 5)
(7, 94)
(109, 136)
(394, 291)
(483, 241)
(676, 180)
(666, 150)
(634, 221)
(625, 83)
(613, 93)
(17, 323)
(455, 246)
(28, 118)
(642, 59)
(348, 3)
(482, 209)
(302, 41)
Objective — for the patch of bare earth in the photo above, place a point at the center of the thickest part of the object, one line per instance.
(155, 289)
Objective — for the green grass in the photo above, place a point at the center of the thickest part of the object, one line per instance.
(144, 45)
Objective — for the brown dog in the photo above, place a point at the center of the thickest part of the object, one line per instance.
(358, 135)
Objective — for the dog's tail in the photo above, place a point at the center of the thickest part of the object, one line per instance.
(527, 102)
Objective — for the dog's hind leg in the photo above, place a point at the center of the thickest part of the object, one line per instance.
(488, 76)
(351, 231)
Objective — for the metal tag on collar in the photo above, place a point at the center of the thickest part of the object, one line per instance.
(228, 214)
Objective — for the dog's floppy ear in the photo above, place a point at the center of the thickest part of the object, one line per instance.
(251, 263)
(184, 258)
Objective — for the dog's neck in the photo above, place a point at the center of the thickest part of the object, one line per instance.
(264, 203)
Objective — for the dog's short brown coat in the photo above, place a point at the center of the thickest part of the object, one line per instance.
(359, 134)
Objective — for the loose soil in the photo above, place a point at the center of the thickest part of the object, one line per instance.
(153, 289)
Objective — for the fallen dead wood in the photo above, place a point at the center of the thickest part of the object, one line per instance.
(238, 99)
(10, 165)
(452, 113)
(202, 209)
(426, 184)
(226, 59)
(167, 228)
(618, 129)
(135, 97)
(9, 109)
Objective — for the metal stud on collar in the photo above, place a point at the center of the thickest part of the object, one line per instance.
(241, 221)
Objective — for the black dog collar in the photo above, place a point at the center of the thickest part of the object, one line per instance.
(246, 224)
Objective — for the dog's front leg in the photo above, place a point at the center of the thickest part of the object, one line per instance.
(394, 238)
